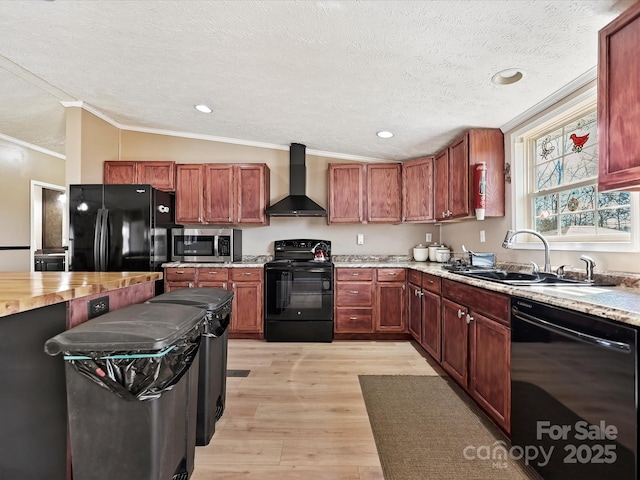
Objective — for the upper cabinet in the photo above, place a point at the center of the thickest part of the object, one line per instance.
(160, 175)
(417, 190)
(359, 193)
(222, 194)
(619, 102)
(453, 175)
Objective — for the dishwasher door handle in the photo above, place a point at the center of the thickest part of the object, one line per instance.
(584, 337)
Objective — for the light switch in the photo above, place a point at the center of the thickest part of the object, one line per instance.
(360, 239)
(482, 237)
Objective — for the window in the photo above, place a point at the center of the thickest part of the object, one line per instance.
(563, 193)
(556, 170)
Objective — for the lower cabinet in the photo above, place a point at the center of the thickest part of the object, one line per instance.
(370, 300)
(247, 312)
(353, 300)
(245, 283)
(476, 342)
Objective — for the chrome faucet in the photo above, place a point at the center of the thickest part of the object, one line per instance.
(590, 263)
(507, 243)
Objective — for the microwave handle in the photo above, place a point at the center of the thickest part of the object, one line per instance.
(216, 252)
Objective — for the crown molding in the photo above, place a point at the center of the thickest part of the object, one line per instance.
(589, 76)
(31, 146)
(213, 138)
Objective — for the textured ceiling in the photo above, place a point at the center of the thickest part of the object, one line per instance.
(325, 73)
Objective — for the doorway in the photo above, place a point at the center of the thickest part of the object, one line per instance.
(48, 227)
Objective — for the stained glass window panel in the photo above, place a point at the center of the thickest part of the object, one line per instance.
(578, 199)
(546, 205)
(566, 156)
(548, 175)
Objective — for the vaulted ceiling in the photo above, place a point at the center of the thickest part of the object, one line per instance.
(326, 73)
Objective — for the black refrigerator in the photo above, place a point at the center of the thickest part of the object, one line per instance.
(119, 228)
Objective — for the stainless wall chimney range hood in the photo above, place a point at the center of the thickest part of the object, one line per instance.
(296, 204)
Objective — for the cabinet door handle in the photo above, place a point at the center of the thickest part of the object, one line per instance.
(392, 273)
(469, 319)
(353, 318)
(246, 273)
(460, 313)
(212, 273)
(355, 274)
(354, 292)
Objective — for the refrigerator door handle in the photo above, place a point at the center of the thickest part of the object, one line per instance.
(97, 240)
(104, 237)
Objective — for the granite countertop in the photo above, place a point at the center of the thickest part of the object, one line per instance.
(21, 291)
(621, 303)
(247, 262)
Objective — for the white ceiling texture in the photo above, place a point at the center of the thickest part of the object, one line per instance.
(326, 73)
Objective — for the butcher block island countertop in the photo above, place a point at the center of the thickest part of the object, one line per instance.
(22, 291)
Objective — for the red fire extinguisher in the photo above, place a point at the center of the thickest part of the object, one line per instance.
(480, 185)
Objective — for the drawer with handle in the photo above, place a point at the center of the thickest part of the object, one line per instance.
(354, 274)
(354, 294)
(179, 274)
(391, 274)
(213, 275)
(246, 274)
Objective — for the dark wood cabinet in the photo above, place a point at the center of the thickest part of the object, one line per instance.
(431, 336)
(619, 102)
(247, 312)
(160, 175)
(417, 190)
(391, 300)
(189, 193)
(353, 300)
(252, 186)
(476, 342)
(414, 310)
(369, 300)
(384, 193)
(222, 194)
(359, 193)
(219, 193)
(489, 367)
(454, 187)
(455, 335)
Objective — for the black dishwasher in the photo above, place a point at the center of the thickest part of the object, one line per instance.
(574, 391)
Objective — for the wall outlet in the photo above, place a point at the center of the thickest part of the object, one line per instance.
(482, 237)
(360, 239)
(428, 237)
(97, 307)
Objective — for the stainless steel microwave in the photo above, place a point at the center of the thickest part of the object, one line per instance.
(206, 245)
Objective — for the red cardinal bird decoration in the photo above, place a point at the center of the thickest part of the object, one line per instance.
(578, 142)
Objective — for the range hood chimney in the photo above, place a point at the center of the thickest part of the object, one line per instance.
(297, 204)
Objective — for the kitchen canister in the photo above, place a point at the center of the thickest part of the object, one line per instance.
(420, 253)
(432, 251)
(442, 254)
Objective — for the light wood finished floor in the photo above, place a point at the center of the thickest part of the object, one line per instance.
(300, 413)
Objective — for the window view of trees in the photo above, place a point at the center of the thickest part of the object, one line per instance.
(564, 196)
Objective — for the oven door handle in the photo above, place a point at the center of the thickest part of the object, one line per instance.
(567, 332)
(312, 270)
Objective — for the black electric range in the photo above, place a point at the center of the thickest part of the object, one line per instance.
(298, 292)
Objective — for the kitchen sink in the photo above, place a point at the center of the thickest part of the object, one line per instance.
(522, 279)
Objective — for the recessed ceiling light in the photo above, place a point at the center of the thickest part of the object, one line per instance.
(384, 134)
(203, 108)
(508, 76)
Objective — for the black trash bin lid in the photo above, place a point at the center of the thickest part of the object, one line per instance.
(146, 326)
(203, 297)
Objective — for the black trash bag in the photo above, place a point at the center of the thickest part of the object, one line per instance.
(217, 321)
(139, 375)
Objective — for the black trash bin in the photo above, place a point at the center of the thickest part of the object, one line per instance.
(212, 384)
(132, 380)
